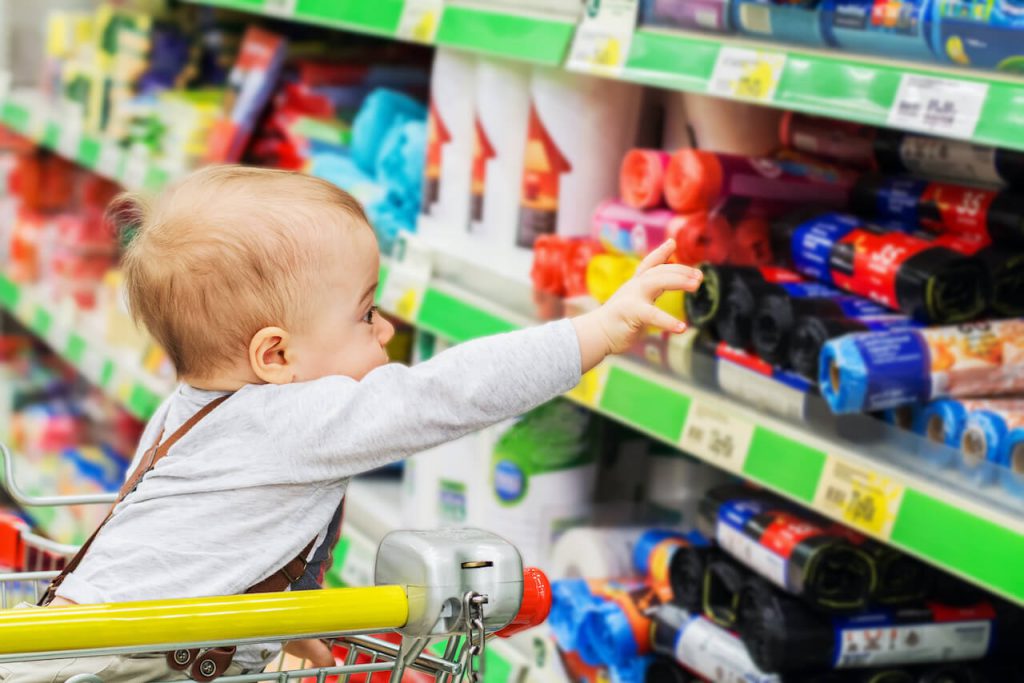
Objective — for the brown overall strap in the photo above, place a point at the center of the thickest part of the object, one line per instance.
(149, 460)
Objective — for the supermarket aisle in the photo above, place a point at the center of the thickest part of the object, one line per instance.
(821, 480)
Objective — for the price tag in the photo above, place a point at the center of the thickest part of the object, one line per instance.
(942, 106)
(715, 435)
(860, 497)
(281, 8)
(420, 19)
(591, 387)
(136, 165)
(408, 278)
(70, 138)
(747, 74)
(110, 161)
(604, 36)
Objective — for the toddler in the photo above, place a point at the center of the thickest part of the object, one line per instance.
(260, 285)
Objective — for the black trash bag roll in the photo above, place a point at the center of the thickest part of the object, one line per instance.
(686, 575)
(901, 579)
(666, 622)
(784, 635)
(662, 669)
(705, 306)
(723, 581)
(795, 550)
(811, 332)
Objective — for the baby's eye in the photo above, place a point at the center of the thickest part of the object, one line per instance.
(368, 318)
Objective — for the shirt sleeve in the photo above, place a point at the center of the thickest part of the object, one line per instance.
(336, 427)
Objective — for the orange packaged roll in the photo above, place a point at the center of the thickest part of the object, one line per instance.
(642, 178)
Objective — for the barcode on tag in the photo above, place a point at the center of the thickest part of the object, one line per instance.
(943, 106)
(860, 497)
(747, 74)
(604, 36)
(716, 436)
(420, 19)
(282, 8)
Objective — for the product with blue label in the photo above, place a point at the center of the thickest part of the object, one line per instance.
(811, 332)
(786, 22)
(992, 444)
(879, 370)
(997, 215)
(788, 547)
(904, 272)
(892, 28)
(701, 15)
(899, 152)
(708, 650)
(942, 422)
(777, 312)
(574, 600)
(980, 33)
(618, 631)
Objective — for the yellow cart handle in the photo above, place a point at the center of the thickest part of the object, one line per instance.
(232, 619)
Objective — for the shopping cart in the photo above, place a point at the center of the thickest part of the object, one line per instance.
(451, 588)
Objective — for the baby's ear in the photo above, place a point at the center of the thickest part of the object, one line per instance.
(270, 356)
(126, 215)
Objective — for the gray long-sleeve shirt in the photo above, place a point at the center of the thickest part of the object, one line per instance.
(247, 488)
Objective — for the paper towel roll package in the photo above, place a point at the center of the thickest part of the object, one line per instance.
(450, 136)
(502, 112)
(579, 129)
(731, 127)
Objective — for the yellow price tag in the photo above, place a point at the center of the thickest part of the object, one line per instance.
(588, 392)
(603, 36)
(420, 20)
(747, 74)
(859, 497)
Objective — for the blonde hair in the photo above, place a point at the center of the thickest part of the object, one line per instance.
(227, 251)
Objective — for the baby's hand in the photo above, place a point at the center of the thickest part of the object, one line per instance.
(616, 325)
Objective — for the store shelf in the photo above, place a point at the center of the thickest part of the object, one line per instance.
(63, 330)
(830, 83)
(529, 37)
(872, 481)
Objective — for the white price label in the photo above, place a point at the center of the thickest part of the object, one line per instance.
(110, 160)
(604, 36)
(408, 278)
(942, 106)
(747, 74)
(420, 19)
(70, 138)
(716, 436)
(281, 8)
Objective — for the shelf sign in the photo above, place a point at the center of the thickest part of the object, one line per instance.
(747, 74)
(408, 278)
(940, 106)
(603, 36)
(420, 19)
(717, 436)
(281, 8)
(860, 497)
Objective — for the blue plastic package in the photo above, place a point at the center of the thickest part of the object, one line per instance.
(943, 422)
(571, 601)
(875, 371)
(990, 447)
(893, 28)
(980, 33)
(383, 110)
(1012, 474)
(798, 23)
(608, 637)
(400, 160)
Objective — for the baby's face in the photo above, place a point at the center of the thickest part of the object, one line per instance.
(347, 335)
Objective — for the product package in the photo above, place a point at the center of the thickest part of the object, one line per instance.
(907, 273)
(785, 22)
(979, 34)
(994, 435)
(702, 15)
(809, 334)
(893, 28)
(879, 370)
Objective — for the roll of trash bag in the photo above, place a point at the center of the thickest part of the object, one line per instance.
(723, 582)
(704, 306)
(784, 635)
(642, 178)
(697, 180)
(789, 548)
(666, 670)
(686, 575)
(811, 332)
(942, 207)
(993, 440)
(878, 370)
(899, 152)
(907, 273)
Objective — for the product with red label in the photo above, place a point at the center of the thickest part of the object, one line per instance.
(896, 151)
(789, 548)
(784, 635)
(879, 370)
(697, 180)
(929, 282)
(811, 332)
(943, 207)
(560, 264)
